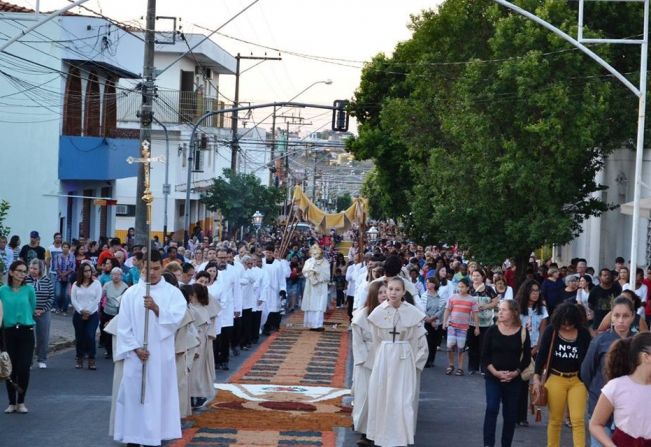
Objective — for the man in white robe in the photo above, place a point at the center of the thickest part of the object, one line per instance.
(315, 297)
(273, 289)
(400, 351)
(159, 417)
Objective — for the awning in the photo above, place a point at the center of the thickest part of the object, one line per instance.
(323, 221)
(645, 208)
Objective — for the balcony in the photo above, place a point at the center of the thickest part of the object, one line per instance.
(175, 107)
(97, 158)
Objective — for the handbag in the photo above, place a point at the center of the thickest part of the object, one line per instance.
(5, 360)
(527, 373)
(542, 396)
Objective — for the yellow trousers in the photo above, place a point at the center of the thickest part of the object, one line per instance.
(565, 392)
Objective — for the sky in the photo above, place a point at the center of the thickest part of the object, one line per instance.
(350, 31)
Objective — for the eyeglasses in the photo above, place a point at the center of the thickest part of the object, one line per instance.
(20, 271)
(535, 290)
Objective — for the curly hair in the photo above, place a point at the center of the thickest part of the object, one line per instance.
(567, 313)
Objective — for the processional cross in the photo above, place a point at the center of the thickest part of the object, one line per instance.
(148, 198)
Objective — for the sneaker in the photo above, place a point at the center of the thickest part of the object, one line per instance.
(42, 365)
(22, 409)
(10, 409)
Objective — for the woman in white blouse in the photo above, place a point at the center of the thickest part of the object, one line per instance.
(86, 295)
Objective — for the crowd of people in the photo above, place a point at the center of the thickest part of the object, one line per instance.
(561, 337)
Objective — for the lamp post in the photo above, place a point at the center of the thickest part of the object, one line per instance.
(372, 234)
(257, 222)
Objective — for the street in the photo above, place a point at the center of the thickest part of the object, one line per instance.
(70, 407)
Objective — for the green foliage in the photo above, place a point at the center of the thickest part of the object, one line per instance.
(238, 196)
(344, 202)
(4, 210)
(499, 156)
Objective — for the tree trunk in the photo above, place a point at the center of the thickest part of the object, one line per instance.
(521, 262)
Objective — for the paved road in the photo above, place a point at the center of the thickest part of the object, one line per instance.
(70, 407)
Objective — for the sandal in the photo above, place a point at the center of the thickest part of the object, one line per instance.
(459, 372)
(91, 364)
(449, 370)
(79, 362)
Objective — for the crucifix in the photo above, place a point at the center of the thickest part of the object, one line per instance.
(394, 333)
(148, 198)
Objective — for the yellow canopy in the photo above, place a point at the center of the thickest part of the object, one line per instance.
(322, 221)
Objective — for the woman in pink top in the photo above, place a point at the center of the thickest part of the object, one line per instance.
(627, 394)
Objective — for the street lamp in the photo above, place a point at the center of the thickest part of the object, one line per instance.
(372, 234)
(257, 222)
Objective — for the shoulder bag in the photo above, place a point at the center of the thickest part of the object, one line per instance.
(527, 373)
(5, 360)
(542, 396)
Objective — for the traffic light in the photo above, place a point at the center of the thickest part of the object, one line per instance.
(340, 116)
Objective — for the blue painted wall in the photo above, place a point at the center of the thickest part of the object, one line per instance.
(96, 158)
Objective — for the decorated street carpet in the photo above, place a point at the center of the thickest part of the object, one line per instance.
(288, 393)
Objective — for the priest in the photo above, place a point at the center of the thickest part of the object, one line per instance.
(400, 351)
(315, 297)
(158, 418)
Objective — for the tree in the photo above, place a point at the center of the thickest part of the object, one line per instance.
(4, 210)
(344, 202)
(501, 125)
(238, 196)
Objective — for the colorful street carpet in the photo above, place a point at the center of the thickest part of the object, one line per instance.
(288, 393)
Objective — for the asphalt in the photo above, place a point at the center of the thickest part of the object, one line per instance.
(70, 407)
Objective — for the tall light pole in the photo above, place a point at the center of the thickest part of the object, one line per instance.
(640, 92)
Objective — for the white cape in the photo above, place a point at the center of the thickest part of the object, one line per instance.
(394, 384)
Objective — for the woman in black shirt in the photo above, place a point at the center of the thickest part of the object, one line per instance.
(568, 339)
(504, 356)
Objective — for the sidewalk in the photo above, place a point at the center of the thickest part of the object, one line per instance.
(62, 333)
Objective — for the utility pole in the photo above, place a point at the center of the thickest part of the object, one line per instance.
(236, 103)
(273, 149)
(314, 179)
(146, 116)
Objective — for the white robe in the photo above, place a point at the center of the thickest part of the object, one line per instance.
(315, 296)
(202, 374)
(186, 343)
(394, 384)
(118, 369)
(159, 417)
(361, 288)
(273, 283)
(362, 367)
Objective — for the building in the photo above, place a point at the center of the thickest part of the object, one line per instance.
(188, 86)
(62, 148)
(608, 236)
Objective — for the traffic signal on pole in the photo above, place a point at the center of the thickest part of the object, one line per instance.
(340, 116)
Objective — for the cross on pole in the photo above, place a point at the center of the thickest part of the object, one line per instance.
(147, 198)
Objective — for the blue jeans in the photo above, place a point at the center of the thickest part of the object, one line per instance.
(85, 334)
(61, 298)
(506, 393)
(42, 336)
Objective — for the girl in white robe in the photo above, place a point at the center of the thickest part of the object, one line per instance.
(204, 313)
(362, 360)
(400, 352)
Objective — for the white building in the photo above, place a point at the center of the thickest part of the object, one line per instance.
(187, 88)
(606, 237)
(61, 147)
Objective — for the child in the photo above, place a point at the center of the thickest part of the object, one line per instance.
(202, 374)
(626, 395)
(461, 308)
(363, 358)
(340, 285)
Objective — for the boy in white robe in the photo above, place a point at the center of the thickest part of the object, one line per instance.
(400, 351)
(159, 417)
